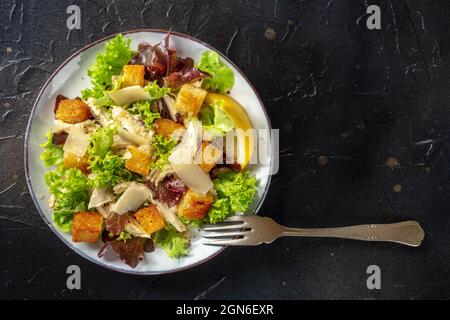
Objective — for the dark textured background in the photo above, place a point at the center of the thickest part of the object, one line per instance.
(334, 88)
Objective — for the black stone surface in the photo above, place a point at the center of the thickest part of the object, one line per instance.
(364, 99)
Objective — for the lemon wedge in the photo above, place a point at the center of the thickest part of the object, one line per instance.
(244, 144)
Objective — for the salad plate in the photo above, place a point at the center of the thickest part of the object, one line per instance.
(104, 140)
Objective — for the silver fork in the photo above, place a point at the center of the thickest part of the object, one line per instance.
(253, 230)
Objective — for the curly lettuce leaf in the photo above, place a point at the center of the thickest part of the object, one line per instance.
(219, 211)
(124, 236)
(70, 190)
(109, 170)
(109, 63)
(101, 141)
(215, 120)
(222, 77)
(156, 92)
(163, 149)
(52, 155)
(173, 243)
(144, 110)
(235, 192)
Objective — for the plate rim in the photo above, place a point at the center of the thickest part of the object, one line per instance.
(30, 122)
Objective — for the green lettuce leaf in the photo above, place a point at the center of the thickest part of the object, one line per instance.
(117, 53)
(143, 109)
(215, 120)
(156, 92)
(235, 192)
(52, 155)
(219, 211)
(124, 236)
(163, 149)
(222, 77)
(101, 141)
(70, 189)
(109, 170)
(172, 242)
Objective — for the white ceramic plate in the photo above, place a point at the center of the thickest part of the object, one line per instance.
(68, 80)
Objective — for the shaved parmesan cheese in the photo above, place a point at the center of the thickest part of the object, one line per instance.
(100, 113)
(194, 177)
(104, 211)
(131, 137)
(135, 228)
(77, 142)
(99, 197)
(129, 95)
(135, 195)
(185, 152)
(170, 215)
(183, 162)
(130, 123)
(170, 103)
(87, 126)
(121, 187)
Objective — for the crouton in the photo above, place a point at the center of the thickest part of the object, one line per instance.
(72, 111)
(167, 127)
(150, 219)
(195, 206)
(72, 161)
(133, 75)
(190, 100)
(210, 155)
(137, 160)
(87, 226)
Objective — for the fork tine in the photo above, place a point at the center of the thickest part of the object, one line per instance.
(230, 242)
(228, 234)
(223, 226)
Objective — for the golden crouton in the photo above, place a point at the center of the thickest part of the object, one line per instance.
(137, 161)
(72, 111)
(194, 206)
(190, 99)
(150, 219)
(133, 75)
(72, 161)
(87, 226)
(166, 127)
(210, 155)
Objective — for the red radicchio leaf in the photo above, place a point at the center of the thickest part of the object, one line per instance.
(115, 223)
(169, 191)
(131, 251)
(146, 56)
(149, 246)
(158, 60)
(59, 138)
(59, 98)
(103, 250)
(186, 73)
(162, 62)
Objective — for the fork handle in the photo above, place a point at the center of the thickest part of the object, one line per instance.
(409, 233)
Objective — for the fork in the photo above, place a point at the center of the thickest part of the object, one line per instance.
(250, 230)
